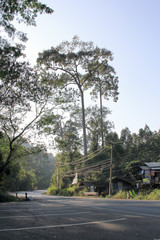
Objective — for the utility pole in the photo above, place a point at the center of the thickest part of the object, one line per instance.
(58, 176)
(101, 113)
(110, 178)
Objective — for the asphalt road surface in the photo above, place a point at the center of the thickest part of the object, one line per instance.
(65, 218)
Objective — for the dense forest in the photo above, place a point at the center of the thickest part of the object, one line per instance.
(127, 152)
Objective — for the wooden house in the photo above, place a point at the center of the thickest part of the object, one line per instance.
(150, 173)
(119, 183)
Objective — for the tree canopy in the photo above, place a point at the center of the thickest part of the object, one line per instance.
(77, 64)
(20, 86)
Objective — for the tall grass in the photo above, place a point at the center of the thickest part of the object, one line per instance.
(141, 195)
(146, 195)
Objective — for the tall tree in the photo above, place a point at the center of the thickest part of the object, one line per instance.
(10, 49)
(69, 145)
(105, 84)
(79, 62)
(14, 74)
(15, 127)
(20, 85)
(93, 124)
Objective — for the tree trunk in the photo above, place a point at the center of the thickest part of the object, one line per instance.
(84, 126)
(101, 112)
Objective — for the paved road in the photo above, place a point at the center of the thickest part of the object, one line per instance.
(57, 218)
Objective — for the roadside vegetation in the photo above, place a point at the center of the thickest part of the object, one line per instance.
(71, 191)
(74, 191)
(6, 197)
(149, 194)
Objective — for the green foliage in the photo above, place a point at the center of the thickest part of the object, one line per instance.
(25, 11)
(17, 93)
(132, 193)
(70, 191)
(74, 191)
(83, 65)
(22, 11)
(133, 150)
(5, 197)
(53, 190)
(148, 194)
(94, 126)
(27, 173)
(81, 193)
(141, 195)
(69, 144)
(120, 195)
(154, 195)
(127, 157)
(64, 168)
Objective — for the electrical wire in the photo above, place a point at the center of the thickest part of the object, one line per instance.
(102, 165)
(88, 167)
(84, 160)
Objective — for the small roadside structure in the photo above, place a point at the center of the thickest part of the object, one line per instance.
(119, 183)
(150, 173)
(94, 188)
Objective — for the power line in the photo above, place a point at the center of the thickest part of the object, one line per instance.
(89, 170)
(130, 154)
(103, 165)
(88, 167)
(84, 160)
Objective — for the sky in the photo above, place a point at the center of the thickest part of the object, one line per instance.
(130, 29)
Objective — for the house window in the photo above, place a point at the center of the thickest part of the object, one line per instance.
(120, 185)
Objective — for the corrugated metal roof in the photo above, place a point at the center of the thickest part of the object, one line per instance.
(153, 164)
(144, 167)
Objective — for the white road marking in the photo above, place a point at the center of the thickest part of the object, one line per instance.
(63, 225)
(43, 215)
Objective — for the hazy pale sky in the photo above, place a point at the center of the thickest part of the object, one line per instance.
(128, 28)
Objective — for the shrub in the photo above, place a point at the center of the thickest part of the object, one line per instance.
(52, 190)
(148, 195)
(81, 193)
(154, 195)
(5, 197)
(73, 191)
(64, 192)
(140, 196)
(120, 195)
